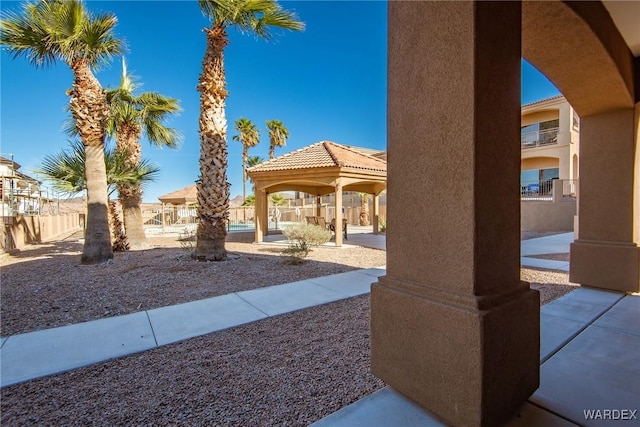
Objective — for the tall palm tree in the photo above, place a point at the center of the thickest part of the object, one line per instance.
(278, 135)
(249, 16)
(66, 171)
(63, 30)
(249, 136)
(251, 162)
(131, 116)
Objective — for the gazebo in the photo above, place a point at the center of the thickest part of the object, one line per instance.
(181, 200)
(319, 169)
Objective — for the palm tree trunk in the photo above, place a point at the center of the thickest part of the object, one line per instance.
(213, 188)
(245, 160)
(89, 108)
(272, 151)
(364, 209)
(118, 236)
(130, 196)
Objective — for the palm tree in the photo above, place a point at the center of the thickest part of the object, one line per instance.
(131, 115)
(278, 135)
(251, 162)
(249, 136)
(254, 160)
(249, 16)
(250, 200)
(63, 30)
(66, 171)
(364, 209)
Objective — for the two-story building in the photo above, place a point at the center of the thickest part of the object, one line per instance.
(549, 138)
(20, 194)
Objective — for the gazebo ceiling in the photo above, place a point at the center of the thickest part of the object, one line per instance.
(317, 168)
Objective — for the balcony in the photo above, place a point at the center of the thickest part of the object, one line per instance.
(539, 138)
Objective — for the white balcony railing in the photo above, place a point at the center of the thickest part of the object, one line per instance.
(539, 138)
(543, 189)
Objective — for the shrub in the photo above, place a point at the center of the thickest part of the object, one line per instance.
(302, 237)
(382, 224)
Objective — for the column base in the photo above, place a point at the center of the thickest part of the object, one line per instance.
(472, 361)
(605, 265)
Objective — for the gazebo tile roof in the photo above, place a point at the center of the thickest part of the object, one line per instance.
(188, 194)
(320, 155)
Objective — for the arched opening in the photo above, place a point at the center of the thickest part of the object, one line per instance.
(451, 311)
(593, 68)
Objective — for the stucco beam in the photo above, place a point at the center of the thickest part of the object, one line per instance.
(316, 190)
(370, 188)
(296, 174)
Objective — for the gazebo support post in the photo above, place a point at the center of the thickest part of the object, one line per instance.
(318, 206)
(265, 213)
(162, 217)
(376, 213)
(338, 227)
(259, 216)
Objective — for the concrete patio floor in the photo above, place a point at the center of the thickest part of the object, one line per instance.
(589, 371)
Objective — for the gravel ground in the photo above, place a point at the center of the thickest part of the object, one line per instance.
(45, 286)
(287, 370)
(554, 257)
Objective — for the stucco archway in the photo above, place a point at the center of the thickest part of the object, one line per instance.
(593, 67)
(451, 311)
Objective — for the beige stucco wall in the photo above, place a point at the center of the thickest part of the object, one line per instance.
(539, 163)
(547, 216)
(20, 231)
(539, 116)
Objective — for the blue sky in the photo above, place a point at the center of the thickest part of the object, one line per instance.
(326, 83)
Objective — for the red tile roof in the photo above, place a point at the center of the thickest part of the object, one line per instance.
(323, 154)
(184, 195)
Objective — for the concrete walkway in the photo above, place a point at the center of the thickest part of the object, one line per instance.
(555, 244)
(51, 351)
(46, 352)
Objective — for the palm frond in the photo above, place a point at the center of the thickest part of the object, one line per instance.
(25, 35)
(249, 134)
(160, 135)
(149, 111)
(66, 169)
(119, 172)
(51, 30)
(250, 16)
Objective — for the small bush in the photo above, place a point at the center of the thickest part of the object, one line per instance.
(302, 237)
(382, 224)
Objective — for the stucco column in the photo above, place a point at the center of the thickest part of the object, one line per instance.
(452, 326)
(606, 255)
(260, 215)
(376, 213)
(338, 213)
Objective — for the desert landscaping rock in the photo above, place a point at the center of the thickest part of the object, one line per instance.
(289, 370)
